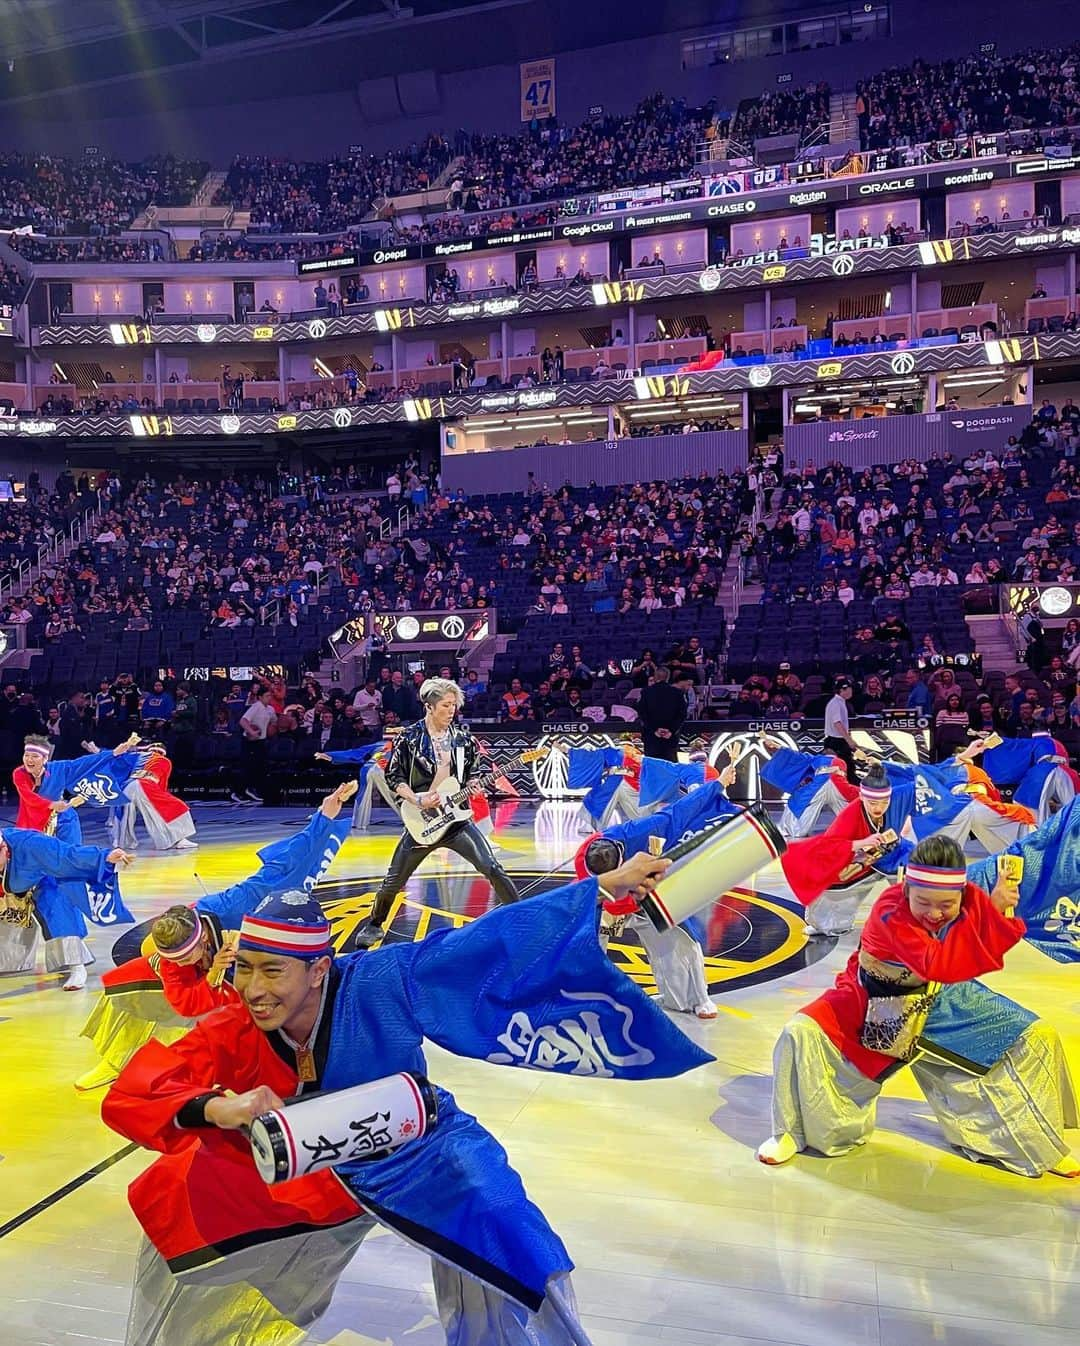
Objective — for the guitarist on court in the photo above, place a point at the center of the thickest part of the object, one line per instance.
(425, 754)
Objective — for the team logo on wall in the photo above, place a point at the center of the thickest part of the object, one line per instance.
(230, 424)
(206, 331)
(342, 417)
(316, 329)
(748, 937)
(710, 279)
(843, 264)
(903, 362)
(760, 376)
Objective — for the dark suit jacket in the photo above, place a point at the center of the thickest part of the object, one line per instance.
(662, 706)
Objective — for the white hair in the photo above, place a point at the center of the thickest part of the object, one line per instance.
(434, 689)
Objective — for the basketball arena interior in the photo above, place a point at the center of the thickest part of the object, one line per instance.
(539, 657)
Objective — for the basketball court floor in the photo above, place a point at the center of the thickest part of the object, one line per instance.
(680, 1237)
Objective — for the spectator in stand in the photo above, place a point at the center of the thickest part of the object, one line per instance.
(515, 703)
(838, 739)
(256, 724)
(368, 704)
(473, 686)
(662, 710)
(73, 728)
(400, 699)
(157, 706)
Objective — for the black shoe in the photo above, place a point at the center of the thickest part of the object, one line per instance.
(368, 935)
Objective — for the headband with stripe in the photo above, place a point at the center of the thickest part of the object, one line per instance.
(42, 749)
(189, 945)
(291, 924)
(930, 876)
(875, 791)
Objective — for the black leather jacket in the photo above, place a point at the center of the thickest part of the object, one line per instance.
(412, 760)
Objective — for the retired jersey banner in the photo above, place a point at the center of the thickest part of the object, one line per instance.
(538, 89)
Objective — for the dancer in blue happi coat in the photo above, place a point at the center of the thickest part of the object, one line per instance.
(132, 1007)
(36, 874)
(611, 777)
(527, 987)
(97, 779)
(1050, 887)
(1038, 768)
(812, 782)
(371, 759)
(676, 956)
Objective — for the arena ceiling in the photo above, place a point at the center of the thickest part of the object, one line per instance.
(57, 45)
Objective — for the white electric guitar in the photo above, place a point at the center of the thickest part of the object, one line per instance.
(427, 826)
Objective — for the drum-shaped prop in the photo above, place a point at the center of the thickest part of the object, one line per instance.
(367, 1122)
(710, 862)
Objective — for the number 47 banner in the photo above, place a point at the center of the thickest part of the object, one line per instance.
(538, 89)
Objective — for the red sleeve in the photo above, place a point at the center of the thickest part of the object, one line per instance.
(976, 943)
(154, 1085)
(816, 863)
(158, 1080)
(34, 812)
(188, 991)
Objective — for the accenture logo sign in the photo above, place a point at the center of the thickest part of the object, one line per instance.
(973, 175)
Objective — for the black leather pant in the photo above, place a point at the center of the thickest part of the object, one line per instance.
(465, 840)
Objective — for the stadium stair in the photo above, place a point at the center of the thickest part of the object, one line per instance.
(994, 641)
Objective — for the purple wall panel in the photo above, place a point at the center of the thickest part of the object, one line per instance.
(626, 460)
(891, 439)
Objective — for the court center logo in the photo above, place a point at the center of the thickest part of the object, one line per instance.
(748, 937)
